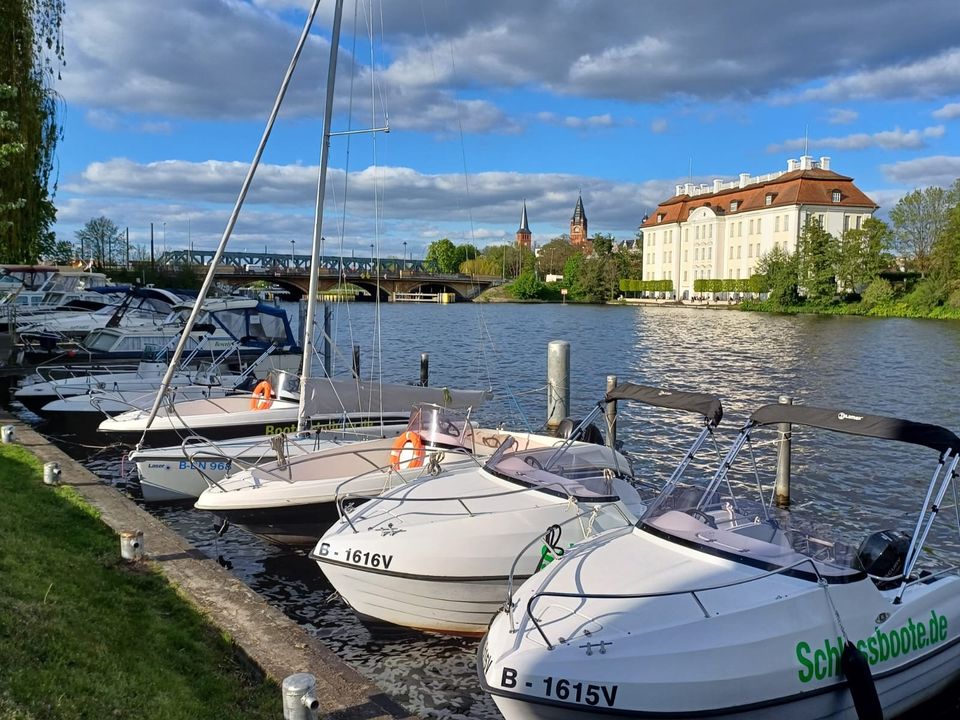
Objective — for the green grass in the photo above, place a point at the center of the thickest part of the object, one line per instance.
(85, 635)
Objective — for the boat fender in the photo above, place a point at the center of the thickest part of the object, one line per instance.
(262, 397)
(862, 688)
(406, 444)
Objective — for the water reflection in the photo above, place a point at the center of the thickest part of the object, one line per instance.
(898, 367)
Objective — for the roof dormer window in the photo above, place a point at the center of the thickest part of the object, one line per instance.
(768, 200)
(836, 196)
(659, 217)
(734, 204)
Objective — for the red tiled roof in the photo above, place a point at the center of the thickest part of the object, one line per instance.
(799, 187)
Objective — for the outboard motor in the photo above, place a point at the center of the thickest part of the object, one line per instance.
(589, 434)
(883, 555)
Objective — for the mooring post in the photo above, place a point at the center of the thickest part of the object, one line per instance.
(327, 318)
(424, 369)
(356, 361)
(300, 700)
(51, 473)
(8, 434)
(781, 491)
(612, 414)
(131, 545)
(558, 382)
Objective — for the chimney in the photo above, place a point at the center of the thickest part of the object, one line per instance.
(806, 162)
(717, 185)
(704, 188)
(679, 189)
(688, 188)
(824, 162)
(744, 179)
(792, 165)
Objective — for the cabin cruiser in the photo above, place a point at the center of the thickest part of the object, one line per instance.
(718, 604)
(274, 407)
(291, 500)
(436, 554)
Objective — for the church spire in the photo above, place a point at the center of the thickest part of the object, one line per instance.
(524, 226)
(579, 216)
(524, 236)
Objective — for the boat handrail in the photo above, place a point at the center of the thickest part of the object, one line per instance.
(667, 593)
(560, 491)
(593, 512)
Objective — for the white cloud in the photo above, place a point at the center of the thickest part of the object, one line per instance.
(950, 111)
(839, 116)
(576, 122)
(658, 126)
(940, 170)
(895, 139)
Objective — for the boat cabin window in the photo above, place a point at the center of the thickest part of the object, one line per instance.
(582, 471)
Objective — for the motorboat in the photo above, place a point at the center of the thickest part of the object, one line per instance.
(436, 554)
(292, 499)
(274, 407)
(184, 471)
(719, 603)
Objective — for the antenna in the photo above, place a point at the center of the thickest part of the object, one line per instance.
(806, 138)
(690, 171)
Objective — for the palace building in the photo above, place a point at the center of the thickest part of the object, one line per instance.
(721, 231)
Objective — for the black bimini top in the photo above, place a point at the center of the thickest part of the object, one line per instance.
(854, 423)
(704, 403)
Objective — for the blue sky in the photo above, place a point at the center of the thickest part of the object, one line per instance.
(489, 104)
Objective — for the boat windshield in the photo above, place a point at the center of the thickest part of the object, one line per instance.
(442, 427)
(583, 471)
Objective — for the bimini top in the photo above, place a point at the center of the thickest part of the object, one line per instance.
(876, 426)
(703, 403)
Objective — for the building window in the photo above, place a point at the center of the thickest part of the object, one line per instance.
(758, 249)
(759, 220)
(786, 223)
(739, 248)
(846, 223)
(776, 224)
(710, 231)
(750, 250)
(750, 228)
(836, 196)
(859, 218)
(659, 217)
(820, 218)
(710, 253)
(731, 252)
(734, 204)
(768, 200)
(684, 275)
(686, 255)
(740, 229)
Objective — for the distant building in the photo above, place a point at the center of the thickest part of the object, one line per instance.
(524, 236)
(578, 228)
(721, 231)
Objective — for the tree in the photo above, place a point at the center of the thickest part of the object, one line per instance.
(553, 255)
(602, 244)
(482, 265)
(60, 252)
(101, 240)
(863, 253)
(30, 55)
(918, 219)
(816, 257)
(779, 270)
(442, 256)
(527, 286)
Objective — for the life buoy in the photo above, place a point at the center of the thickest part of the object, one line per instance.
(262, 396)
(407, 451)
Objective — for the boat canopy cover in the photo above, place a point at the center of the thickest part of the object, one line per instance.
(877, 426)
(704, 403)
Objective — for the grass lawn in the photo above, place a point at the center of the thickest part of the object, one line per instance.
(85, 635)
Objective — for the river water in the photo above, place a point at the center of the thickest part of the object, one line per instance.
(902, 367)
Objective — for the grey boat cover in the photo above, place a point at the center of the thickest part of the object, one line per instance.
(703, 403)
(855, 423)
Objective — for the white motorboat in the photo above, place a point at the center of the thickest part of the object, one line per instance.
(274, 408)
(183, 472)
(436, 554)
(291, 500)
(717, 604)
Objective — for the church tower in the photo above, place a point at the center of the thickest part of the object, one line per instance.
(524, 236)
(578, 227)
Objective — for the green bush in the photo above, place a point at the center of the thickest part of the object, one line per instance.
(878, 292)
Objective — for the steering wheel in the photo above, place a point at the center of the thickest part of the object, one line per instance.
(702, 517)
(533, 462)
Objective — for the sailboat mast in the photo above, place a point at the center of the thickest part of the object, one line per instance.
(308, 331)
(211, 271)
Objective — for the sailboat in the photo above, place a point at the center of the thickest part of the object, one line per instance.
(285, 402)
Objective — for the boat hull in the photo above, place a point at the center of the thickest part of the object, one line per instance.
(293, 525)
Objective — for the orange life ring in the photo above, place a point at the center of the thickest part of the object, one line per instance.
(404, 444)
(262, 396)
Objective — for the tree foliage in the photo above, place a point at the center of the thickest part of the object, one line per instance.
(816, 258)
(554, 255)
(779, 270)
(31, 52)
(101, 240)
(918, 219)
(442, 256)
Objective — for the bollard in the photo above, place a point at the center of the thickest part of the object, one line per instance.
(612, 414)
(8, 434)
(781, 491)
(51, 473)
(300, 700)
(131, 545)
(558, 382)
(424, 369)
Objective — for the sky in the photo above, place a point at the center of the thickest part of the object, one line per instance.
(489, 105)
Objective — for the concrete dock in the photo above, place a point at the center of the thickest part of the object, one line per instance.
(265, 636)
